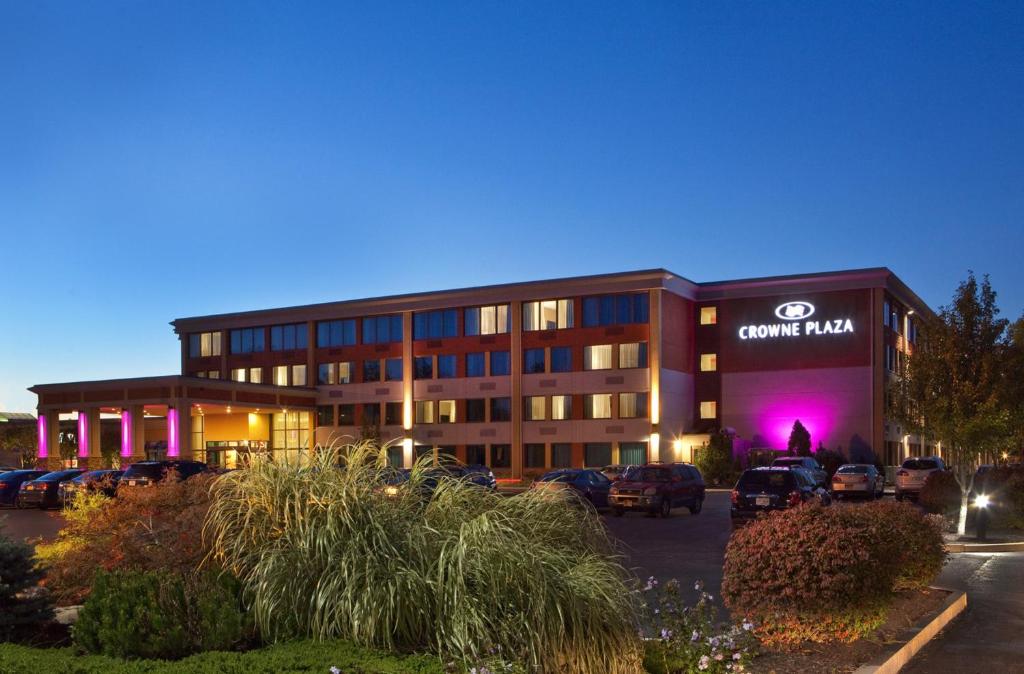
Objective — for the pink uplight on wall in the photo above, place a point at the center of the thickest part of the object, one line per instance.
(83, 435)
(126, 433)
(172, 432)
(817, 416)
(44, 445)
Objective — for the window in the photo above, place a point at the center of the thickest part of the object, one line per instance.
(476, 455)
(203, 344)
(382, 329)
(533, 455)
(487, 320)
(597, 454)
(597, 406)
(615, 309)
(393, 414)
(597, 357)
(247, 340)
(280, 375)
(708, 409)
(533, 408)
(476, 409)
(298, 375)
(371, 414)
(424, 411)
(501, 409)
(239, 374)
(533, 360)
(561, 359)
(911, 330)
(446, 411)
(632, 405)
(501, 456)
(288, 337)
(633, 355)
(423, 367)
(346, 415)
(708, 362)
(334, 373)
(446, 366)
(895, 321)
(561, 455)
(886, 313)
(501, 363)
(419, 451)
(393, 369)
(561, 407)
(290, 430)
(328, 333)
(547, 315)
(255, 375)
(709, 315)
(371, 370)
(435, 324)
(633, 453)
(474, 364)
(324, 415)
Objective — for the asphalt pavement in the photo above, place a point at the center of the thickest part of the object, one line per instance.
(30, 524)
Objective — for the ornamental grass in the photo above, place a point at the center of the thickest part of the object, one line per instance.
(324, 552)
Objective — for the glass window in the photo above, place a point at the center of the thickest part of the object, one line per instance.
(247, 340)
(393, 414)
(561, 455)
(290, 430)
(488, 320)
(203, 344)
(371, 370)
(446, 411)
(281, 375)
(446, 366)
(633, 355)
(533, 455)
(476, 455)
(597, 406)
(501, 409)
(298, 375)
(633, 453)
(708, 315)
(533, 408)
(255, 375)
(561, 407)
(476, 409)
(346, 415)
(501, 456)
(423, 367)
(561, 359)
(382, 329)
(615, 309)
(424, 411)
(326, 374)
(632, 405)
(213, 374)
(598, 357)
(239, 374)
(708, 410)
(393, 369)
(324, 415)
(371, 414)
(328, 333)
(474, 364)
(435, 324)
(886, 313)
(708, 362)
(547, 315)
(533, 360)
(501, 363)
(597, 454)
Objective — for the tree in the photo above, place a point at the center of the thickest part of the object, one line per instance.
(1014, 390)
(953, 387)
(25, 605)
(714, 460)
(22, 439)
(799, 440)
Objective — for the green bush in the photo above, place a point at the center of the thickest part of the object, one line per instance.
(1006, 487)
(148, 614)
(24, 606)
(715, 461)
(323, 552)
(940, 493)
(828, 574)
(830, 460)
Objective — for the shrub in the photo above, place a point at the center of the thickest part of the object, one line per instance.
(940, 493)
(150, 614)
(830, 460)
(24, 606)
(828, 574)
(715, 461)
(1006, 485)
(157, 528)
(322, 552)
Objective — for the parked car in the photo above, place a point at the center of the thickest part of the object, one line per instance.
(475, 474)
(102, 481)
(42, 492)
(656, 488)
(615, 472)
(11, 482)
(858, 479)
(912, 474)
(7, 469)
(819, 474)
(591, 485)
(147, 473)
(762, 490)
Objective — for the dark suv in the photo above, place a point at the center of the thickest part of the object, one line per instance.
(775, 488)
(146, 473)
(656, 488)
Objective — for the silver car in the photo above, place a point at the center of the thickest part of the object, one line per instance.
(858, 479)
(912, 474)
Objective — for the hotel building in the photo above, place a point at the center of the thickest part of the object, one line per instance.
(626, 367)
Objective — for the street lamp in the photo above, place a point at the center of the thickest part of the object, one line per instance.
(982, 502)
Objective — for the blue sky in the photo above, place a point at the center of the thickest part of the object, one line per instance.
(166, 159)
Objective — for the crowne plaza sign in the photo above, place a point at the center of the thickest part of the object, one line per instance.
(795, 320)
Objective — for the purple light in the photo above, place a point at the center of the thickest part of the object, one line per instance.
(172, 431)
(83, 435)
(44, 447)
(126, 433)
(816, 414)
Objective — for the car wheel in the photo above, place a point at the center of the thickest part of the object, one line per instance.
(666, 507)
(618, 512)
(697, 506)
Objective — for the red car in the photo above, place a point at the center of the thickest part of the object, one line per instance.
(656, 488)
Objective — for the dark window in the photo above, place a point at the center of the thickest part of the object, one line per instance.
(561, 455)
(597, 454)
(382, 329)
(501, 409)
(474, 364)
(328, 333)
(346, 415)
(533, 360)
(435, 324)
(615, 309)
(476, 455)
(424, 367)
(324, 415)
(446, 367)
(371, 414)
(323, 373)
(476, 409)
(247, 340)
(371, 370)
(423, 450)
(501, 456)
(194, 348)
(392, 414)
(633, 453)
(561, 359)
(395, 459)
(393, 369)
(533, 455)
(500, 363)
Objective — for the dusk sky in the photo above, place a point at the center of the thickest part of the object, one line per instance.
(169, 159)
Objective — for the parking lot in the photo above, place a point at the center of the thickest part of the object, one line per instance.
(30, 524)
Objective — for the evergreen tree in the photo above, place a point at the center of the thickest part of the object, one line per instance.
(23, 605)
(799, 440)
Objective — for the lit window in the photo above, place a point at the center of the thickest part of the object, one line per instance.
(446, 411)
(328, 333)
(213, 374)
(256, 375)
(597, 406)
(334, 373)
(298, 375)
(633, 355)
(708, 315)
(290, 430)
(238, 374)
(597, 357)
(708, 362)
(632, 405)
(487, 320)
(547, 315)
(280, 375)
(203, 344)
(424, 411)
(709, 410)
(561, 407)
(533, 408)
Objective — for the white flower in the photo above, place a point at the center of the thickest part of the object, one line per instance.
(699, 585)
(704, 662)
(737, 655)
(335, 670)
(719, 656)
(696, 636)
(747, 626)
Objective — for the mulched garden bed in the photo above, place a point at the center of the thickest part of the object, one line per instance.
(811, 658)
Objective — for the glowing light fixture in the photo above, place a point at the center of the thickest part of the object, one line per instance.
(126, 433)
(172, 431)
(83, 435)
(982, 501)
(44, 445)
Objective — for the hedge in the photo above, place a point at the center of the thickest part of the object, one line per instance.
(296, 656)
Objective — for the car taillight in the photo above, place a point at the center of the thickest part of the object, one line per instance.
(794, 498)
(735, 497)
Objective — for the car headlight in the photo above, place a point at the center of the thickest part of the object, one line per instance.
(650, 491)
(613, 490)
(391, 491)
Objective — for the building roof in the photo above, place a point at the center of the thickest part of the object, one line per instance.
(7, 417)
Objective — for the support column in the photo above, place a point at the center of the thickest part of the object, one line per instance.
(179, 431)
(133, 434)
(654, 367)
(89, 455)
(48, 428)
(408, 375)
(517, 388)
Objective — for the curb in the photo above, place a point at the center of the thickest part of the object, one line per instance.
(985, 547)
(918, 636)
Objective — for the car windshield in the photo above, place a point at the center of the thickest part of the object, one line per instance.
(560, 477)
(853, 469)
(58, 476)
(16, 475)
(766, 479)
(920, 464)
(151, 470)
(788, 462)
(648, 475)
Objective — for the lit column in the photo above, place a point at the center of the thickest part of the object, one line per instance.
(138, 439)
(407, 389)
(83, 435)
(44, 445)
(654, 368)
(126, 433)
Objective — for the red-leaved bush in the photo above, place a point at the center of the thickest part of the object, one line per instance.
(828, 574)
(940, 493)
